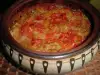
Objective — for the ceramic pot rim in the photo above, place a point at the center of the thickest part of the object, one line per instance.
(85, 46)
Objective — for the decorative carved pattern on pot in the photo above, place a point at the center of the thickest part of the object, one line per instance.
(92, 53)
(45, 66)
(98, 44)
(59, 66)
(32, 62)
(11, 52)
(83, 59)
(72, 62)
(20, 56)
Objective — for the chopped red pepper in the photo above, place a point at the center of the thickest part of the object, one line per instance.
(39, 17)
(58, 18)
(38, 27)
(26, 30)
(36, 42)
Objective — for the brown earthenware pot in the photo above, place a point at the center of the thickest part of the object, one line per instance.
(55, 63)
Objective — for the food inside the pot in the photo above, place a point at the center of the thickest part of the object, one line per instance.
(50, 28)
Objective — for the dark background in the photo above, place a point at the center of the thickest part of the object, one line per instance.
(5, 4)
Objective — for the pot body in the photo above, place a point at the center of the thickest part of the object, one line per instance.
(52, 67)
(46, 64)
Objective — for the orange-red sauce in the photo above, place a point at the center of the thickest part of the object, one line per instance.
(50, 28)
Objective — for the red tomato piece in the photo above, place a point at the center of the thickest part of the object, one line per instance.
(30, 20)
(50, 36)
(57, 18)
(36, 42)
(26, 30)
(66, 36)
(39, 17)
(54, 15)
(67, 39)
(70, 39)
(38, 27)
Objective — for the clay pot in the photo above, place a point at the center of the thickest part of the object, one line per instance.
(56, 63)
